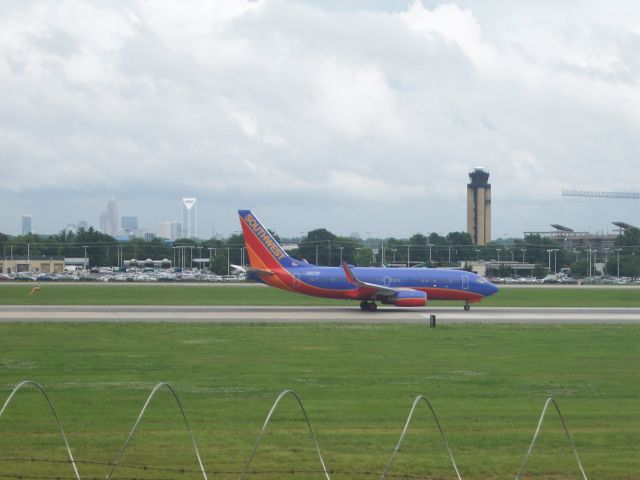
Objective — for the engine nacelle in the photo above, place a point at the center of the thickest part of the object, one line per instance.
(410, 298)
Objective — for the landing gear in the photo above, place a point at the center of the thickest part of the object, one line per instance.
(467, 307)
(368, 306)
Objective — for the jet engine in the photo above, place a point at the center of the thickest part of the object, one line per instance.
(410, 298)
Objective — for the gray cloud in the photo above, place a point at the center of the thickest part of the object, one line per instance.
(343, 116)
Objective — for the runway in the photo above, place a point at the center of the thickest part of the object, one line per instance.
(245, 314)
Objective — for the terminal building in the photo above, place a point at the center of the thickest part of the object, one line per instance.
(479, 206)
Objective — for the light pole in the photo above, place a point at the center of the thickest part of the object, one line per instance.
(429, 245)
(85, 256)
(449, 255)
(316, 254)
(618, 250)
(498, 250)
(228, 267)
(477, 255)
(555, 260)
(408, 257)
(523, 252)
(394, 250)
(358, 254)
(341, 249)
(549, 267)
(606, 254)
(210, 259)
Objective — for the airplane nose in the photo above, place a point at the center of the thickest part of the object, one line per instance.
(491, 289)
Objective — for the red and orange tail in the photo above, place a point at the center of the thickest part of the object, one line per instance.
(264, 251)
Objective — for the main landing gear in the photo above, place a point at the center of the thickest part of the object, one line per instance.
(467, 307)
(368, 306)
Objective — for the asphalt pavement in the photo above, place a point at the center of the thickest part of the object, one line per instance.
(245, 314)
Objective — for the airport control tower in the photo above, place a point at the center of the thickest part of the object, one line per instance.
(479, 206)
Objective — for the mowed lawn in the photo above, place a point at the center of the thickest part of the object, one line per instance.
(130, 294)
(488, 384)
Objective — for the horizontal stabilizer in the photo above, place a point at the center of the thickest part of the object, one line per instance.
(259, 271)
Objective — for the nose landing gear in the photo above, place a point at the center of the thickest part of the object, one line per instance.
(467, 307)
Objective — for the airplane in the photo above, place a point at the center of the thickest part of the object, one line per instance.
(402, 287)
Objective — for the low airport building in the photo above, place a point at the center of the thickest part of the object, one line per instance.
(18, 264)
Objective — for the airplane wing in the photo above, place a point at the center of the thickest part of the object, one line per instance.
(379, 289)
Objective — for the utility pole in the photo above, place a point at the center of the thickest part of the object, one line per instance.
(618, 250)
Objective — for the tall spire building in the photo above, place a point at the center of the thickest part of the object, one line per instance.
(109, 219)
(189, 217)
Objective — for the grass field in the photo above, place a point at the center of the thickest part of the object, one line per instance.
(91, 294)
(487, 383)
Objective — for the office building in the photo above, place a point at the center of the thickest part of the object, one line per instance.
(479, 206)
(26, 225)
(189, 217)
(109, 218)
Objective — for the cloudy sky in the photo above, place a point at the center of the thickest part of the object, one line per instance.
(353, 115)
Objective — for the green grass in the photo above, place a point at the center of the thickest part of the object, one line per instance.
(91, 294)
(487, 383)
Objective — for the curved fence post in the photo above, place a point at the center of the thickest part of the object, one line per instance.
(53, 411)
(266, 424)
(135, 426)
(404, 431)
(549, 401)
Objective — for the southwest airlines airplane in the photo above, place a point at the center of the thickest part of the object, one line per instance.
(403, 287)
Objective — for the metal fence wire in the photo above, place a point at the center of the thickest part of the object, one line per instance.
(200, 470)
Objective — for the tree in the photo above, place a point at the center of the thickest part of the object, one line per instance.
(540, 270)
(318, 241)
(580, 269)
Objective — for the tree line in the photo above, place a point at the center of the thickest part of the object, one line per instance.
(322, 247)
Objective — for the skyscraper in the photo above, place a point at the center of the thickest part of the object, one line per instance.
(189, 217)
(479, 206)
(112, 214)
(26, 225)
(109, 219)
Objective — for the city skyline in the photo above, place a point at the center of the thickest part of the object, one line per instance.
(351, 116)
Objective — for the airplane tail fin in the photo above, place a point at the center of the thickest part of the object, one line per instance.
(264, 251)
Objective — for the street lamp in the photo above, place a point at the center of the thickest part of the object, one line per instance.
(341, 249)
(498, 250)
(85, 256)
(523, 250)
(358, 254)
(429, 245)
(549, 252)
(618, 250)
(477, 255)
(555, 260)
(394, 250)
(210, 258)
